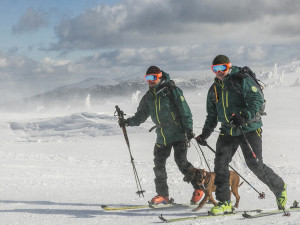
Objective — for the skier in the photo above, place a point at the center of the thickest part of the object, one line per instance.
(168, 109)
(237, 112)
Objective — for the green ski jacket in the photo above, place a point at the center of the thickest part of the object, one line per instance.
(168, 110)
(223, 100)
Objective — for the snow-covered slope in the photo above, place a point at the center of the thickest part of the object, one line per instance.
(58, 168)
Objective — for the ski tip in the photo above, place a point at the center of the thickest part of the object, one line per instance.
(163, 219)
(246, 215)
(103, 206)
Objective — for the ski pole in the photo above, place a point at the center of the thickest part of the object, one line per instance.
(261, 194)
(248, 144)
(120, 115)
(254, 155)
(246, 140)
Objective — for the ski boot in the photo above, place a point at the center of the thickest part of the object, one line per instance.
(158, 199)
(281, 198)
(197, 195)
(221, 208)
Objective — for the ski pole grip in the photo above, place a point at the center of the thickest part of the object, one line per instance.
(120, 112)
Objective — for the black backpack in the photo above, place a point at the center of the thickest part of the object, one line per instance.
(237, 80)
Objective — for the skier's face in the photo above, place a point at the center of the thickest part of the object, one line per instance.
(153, 79)
(220, 75)
(154, 83)
(221, 70)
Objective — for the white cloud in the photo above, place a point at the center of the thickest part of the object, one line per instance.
(3, 62)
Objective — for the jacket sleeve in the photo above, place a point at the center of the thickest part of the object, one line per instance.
(184, 110)
(252, 97)
(142, 113)
(212, 115)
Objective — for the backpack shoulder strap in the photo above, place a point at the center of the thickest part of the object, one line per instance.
(239, 76)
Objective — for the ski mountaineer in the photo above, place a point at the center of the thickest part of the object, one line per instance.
(168, 109)
(237, 112)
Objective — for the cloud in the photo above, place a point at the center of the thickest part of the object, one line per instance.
(152, 23)
(31, 21)
(3, 62)
(178, 36)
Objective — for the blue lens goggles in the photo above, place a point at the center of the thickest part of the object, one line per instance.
(151, 77)
(222, 68)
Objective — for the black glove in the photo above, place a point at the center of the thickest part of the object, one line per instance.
(189, 135)
(123, 122)
(239, 119)
(201, 139)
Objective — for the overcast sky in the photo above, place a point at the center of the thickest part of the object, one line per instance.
(50, 43)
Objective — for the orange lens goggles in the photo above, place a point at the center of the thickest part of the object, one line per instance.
(223, 68)
(152, 77)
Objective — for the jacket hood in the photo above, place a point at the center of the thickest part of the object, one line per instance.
(166, 76)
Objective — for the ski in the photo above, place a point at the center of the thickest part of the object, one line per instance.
(149, 206)
(133, 207)
(204, 216)
(293, 208)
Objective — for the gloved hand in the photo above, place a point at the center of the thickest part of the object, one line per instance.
(201, 140)
(123, 122)
(239, 119)
(189, 135)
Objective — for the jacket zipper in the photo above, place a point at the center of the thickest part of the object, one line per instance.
(223, 102)
(226, 99)
(155, 101)
(159, 104)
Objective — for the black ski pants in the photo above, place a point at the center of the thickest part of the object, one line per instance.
(225, 150)
(161, 154)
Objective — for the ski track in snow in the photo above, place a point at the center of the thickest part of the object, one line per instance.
(59, 169)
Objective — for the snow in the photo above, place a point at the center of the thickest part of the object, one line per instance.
(58, 168)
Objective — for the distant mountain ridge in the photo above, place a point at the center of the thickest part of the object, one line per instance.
(95, 90)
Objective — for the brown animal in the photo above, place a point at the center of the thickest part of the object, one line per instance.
(205, 180)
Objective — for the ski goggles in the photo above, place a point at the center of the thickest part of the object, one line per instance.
(152, 77)
(223, 68)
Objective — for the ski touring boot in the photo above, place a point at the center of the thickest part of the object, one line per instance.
(221, 208)
(158, 199)
(281, 199)
(197, 195)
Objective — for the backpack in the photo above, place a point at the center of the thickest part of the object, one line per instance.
(237, 82)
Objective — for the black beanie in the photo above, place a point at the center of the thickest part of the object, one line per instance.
(153, 70)
(220, 59)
